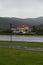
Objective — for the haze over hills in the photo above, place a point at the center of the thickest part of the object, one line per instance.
(5, 21)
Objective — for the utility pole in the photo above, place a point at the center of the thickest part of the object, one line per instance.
(10, 33)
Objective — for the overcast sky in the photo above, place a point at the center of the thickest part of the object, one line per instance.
(21, 8)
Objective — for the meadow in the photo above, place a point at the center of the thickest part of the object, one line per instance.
(20, 57)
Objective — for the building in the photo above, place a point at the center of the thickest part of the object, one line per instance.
(22, 29)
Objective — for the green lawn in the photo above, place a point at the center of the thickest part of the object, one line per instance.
(20, 57)
(32, 44)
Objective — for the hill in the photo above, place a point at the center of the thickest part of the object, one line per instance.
(5, 21)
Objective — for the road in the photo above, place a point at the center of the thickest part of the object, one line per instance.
(22, 38)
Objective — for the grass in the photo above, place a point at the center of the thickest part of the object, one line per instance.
(32, 44)
(20, 57)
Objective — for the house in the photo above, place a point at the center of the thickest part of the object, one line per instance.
(22, 29)
(13, 29)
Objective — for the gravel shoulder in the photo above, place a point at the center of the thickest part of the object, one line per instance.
(22, 47)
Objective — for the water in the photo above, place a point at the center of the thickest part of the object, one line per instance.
(22, 38)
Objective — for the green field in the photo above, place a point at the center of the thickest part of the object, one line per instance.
(32, 44)
(20, 57)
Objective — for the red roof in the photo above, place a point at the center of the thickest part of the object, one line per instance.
(22, 26)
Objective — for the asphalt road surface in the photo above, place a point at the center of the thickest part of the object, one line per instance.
(21, 38)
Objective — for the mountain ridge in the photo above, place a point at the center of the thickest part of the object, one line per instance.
(5, 21)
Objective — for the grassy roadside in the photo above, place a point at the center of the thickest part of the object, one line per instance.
(20, 57)
(32, 44)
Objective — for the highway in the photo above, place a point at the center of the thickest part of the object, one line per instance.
(21, 38)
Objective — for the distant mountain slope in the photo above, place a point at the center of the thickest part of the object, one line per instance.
(5, 21)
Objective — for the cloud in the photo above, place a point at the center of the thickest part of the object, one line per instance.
(40, 0)
(21, 8)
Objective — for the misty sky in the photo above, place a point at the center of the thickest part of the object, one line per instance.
(21, 8)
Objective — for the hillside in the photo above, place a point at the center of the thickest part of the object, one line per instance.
(5, 21)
